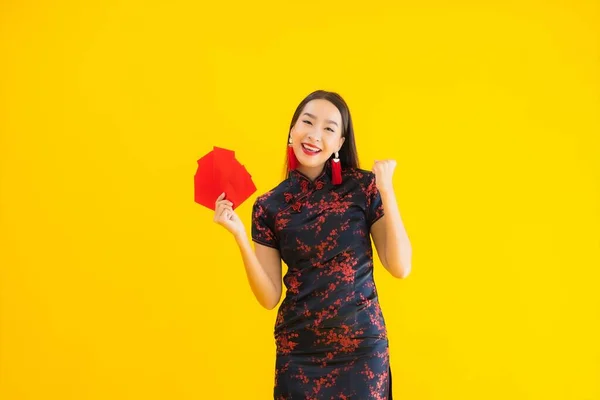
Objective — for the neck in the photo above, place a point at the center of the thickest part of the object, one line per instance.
(311, 172)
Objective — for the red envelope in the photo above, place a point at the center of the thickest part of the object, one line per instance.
(222, 157)
(218, 171)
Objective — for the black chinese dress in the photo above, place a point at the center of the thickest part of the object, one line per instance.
(330, 334)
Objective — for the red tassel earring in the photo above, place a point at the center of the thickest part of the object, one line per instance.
(336, 169)
(292, 160)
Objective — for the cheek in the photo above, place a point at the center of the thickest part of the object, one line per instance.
(299, 131)
(297, 135)
(332, 142)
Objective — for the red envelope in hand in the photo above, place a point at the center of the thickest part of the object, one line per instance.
(218, 171)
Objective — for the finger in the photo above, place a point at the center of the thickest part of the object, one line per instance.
(226, 215)
(221, 197)
(225, 209)
(221, 204)
(219, 210)
(220, 218)
(226, 202)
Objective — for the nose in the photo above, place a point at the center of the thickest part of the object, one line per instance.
(314, 136)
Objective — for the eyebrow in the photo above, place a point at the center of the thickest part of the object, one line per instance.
(330, 121)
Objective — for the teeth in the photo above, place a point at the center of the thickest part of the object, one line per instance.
(310, 148)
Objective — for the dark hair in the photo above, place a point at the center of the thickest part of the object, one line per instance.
(348, 154)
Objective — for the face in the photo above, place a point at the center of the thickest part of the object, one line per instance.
(317, 134)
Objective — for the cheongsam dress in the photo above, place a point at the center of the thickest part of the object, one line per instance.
(330, 334)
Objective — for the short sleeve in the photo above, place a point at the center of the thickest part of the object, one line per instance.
(263, 231)
(374, 209)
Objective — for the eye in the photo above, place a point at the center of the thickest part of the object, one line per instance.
(331, 129)
(307, 121)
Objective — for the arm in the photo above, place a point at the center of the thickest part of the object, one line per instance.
(263, 270)
(390, 238)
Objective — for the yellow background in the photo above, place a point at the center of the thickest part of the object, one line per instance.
(116, 285)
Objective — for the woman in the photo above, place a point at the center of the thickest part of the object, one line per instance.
(330, 332)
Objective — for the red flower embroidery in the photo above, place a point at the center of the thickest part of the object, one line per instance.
(304, 185)
(293, 285)
(297, 206)
(284, 343)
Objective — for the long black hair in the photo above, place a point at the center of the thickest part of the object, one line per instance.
(348, 154)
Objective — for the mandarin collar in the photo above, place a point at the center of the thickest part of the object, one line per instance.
(302, 183)
(299, 185)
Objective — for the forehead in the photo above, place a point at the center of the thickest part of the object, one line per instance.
(323, 109)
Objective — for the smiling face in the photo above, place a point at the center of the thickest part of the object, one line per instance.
(316, 135)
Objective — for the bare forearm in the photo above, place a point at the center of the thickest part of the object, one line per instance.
(262, 286)
(398, 250)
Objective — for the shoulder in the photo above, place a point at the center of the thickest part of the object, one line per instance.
(363, 183)
(364, 178)
(271, 199)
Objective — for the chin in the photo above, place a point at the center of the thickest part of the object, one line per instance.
(312, 162)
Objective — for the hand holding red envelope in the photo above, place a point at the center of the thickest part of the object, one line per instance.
(218, 171)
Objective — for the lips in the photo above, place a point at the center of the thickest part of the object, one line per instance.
(310, 148)
(309, 151)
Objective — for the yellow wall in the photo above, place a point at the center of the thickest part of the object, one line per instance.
(116, 285)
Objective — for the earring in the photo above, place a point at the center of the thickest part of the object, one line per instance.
(291, 156)
(336, 169)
